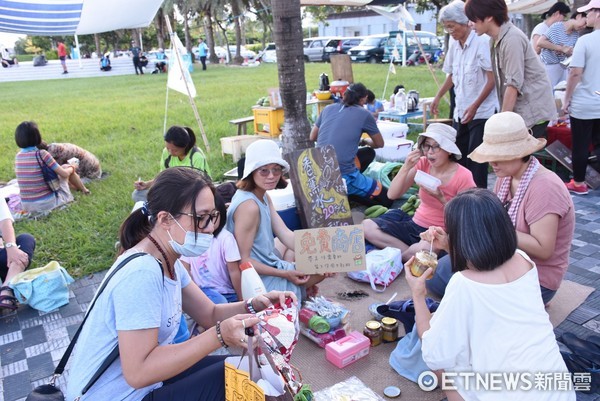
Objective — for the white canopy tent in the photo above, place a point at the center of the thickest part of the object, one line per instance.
(74, 17)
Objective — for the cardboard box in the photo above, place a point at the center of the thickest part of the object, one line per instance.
(347, 350)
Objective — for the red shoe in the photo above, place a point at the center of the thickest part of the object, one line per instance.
(577, 189)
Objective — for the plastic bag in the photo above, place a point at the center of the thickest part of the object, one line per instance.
(45, 288)
(383, 266)
(381, 172)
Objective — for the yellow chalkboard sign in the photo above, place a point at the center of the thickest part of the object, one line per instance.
(320, 193)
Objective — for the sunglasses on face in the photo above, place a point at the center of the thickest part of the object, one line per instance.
(425, 148)
(265, 171)
(201, 221)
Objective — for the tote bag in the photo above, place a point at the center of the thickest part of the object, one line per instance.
(45, 288)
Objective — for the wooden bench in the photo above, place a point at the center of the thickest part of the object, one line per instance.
(241, 124)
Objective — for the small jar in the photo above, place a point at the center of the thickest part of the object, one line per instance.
(373, 332)
(389, 329)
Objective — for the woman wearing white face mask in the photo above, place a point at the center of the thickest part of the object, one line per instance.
(140, 309)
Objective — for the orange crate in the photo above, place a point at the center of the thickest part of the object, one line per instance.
(268, 120)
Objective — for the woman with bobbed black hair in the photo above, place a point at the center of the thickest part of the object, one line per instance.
(141, 307)
(492, 318)
(180, 150)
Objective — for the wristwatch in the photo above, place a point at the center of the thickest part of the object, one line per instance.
(10, 244)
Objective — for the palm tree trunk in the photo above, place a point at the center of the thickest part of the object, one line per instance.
(210, 36)
(99, 51)
(235, 10)
(287, 33)
(159, 21)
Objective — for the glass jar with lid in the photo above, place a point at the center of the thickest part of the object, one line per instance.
(373, 332)
(389, 327)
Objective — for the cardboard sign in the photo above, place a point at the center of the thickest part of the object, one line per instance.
(318, 188)
(330, 249)
(563, 154)
(275, 98)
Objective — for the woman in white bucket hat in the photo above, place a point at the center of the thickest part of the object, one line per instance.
(536, 199)
(261, 234)
(435, 156)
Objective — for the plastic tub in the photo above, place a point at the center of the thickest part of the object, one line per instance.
(426, 180)
(394, 150)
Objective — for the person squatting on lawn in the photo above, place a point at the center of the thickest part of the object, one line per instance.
(469, 70)
(521, 80)
(140, 310)
(536, 199)
(8, 60)
(180, 150)
(261, 234)
(436, 155)
(582, 98)
(36, 195)
(89, 165)
(342, 125)
(492, 318)
(16, 253)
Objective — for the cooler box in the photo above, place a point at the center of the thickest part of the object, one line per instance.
(285, 204)
(394, 150)
(347, 350)
(390, 129)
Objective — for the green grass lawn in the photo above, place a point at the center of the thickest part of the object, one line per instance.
(120, 120)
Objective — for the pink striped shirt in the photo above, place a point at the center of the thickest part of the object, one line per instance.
(29, 175)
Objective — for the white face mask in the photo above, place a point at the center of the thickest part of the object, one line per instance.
(193, 245)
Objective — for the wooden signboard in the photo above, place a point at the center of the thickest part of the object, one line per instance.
(319, 191)
(330, 249)
(563, 154)
(341, 68)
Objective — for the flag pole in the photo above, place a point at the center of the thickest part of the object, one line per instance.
(187, 88)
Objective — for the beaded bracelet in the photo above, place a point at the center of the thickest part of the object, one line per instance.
(219, 336)
(249, 306)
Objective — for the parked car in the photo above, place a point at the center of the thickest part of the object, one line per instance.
(430, 43)
(245, 53)
(340, 46)
(314, 48)
(268, 55)
(370, 50)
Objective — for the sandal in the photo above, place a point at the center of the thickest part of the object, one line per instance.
(8, 302)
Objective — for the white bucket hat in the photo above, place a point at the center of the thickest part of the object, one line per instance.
(444, 135)
(261, 153)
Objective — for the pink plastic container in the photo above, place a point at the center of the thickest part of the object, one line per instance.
(347, 350)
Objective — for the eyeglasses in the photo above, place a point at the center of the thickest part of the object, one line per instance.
(425, 148)
(449, 29)
(265, 171)
(201, 221)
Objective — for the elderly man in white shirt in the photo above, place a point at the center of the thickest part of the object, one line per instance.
(469, 69)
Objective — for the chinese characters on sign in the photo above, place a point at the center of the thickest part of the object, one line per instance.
(319, 190)
(330, 249)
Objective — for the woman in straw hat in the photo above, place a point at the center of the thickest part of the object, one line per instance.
(536, 199)
(436, 156)
(261, 234)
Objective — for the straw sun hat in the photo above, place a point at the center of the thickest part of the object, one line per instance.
(506, 137)
(261, 153)
(444, 135)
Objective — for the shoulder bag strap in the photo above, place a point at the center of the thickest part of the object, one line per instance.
(63, 362)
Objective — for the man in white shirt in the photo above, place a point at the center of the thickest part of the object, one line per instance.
(16, 254)
(469, 70)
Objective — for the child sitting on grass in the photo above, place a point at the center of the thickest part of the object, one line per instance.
(217, 271)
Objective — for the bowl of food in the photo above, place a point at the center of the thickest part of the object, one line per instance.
(323, 95)
(424, 260)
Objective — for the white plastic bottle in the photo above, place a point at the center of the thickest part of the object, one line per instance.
(252, 285)
(400, 102)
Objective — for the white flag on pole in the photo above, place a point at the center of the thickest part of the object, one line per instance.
(177, 80)
(392, 67)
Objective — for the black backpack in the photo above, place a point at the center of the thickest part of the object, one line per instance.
(582, 356)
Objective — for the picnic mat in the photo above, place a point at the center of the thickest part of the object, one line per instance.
(568, 297)
(374, 369)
